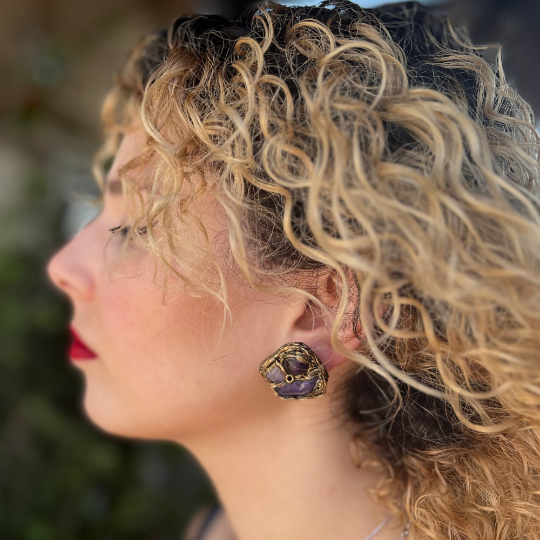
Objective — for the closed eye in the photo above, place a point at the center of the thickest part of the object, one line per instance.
(124, 230)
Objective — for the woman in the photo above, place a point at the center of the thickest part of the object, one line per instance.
(317, 267)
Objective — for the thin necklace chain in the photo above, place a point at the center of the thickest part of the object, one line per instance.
(404, 534)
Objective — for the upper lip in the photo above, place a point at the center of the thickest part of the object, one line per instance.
(79, 349)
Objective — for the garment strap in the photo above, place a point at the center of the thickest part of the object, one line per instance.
(214, 511)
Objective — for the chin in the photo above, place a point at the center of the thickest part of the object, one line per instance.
(114, 418)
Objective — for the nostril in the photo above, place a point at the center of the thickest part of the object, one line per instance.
(63, 273)
(71, 269)
(54, 272)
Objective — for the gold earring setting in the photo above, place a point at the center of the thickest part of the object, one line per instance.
(294, 371)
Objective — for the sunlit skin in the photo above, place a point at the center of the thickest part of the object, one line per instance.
(282, 468)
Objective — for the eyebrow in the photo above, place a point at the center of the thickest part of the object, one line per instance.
(113, 186)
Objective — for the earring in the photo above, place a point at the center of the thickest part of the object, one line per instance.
(294, 371)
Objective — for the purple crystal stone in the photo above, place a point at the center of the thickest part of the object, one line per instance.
(297, 388)
(294, 366)
(275, 375)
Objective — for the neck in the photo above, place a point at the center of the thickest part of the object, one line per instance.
(294, 478)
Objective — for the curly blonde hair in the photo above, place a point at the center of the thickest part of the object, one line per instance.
(380, 147)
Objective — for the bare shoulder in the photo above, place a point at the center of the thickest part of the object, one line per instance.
(219, 527)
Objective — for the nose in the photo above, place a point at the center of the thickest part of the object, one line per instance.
(69, 273)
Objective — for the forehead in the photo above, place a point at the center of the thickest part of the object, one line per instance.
(131, 146)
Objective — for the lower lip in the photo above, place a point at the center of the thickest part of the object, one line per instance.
(78, 351)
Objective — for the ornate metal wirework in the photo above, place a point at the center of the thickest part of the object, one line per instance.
(294, 371)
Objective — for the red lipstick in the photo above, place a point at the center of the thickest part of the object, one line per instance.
(78, 350)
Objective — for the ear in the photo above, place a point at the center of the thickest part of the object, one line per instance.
(312, 327)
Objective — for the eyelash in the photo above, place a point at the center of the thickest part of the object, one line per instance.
(124, 230)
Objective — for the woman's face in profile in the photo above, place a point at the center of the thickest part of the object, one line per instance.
(156, 374)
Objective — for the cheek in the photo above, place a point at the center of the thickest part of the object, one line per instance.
(150, 345)
(161, 374)
(161, 365)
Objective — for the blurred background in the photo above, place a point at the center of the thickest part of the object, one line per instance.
(61, 478)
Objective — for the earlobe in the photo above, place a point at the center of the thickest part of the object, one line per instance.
(299, 368)
(314, 327)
